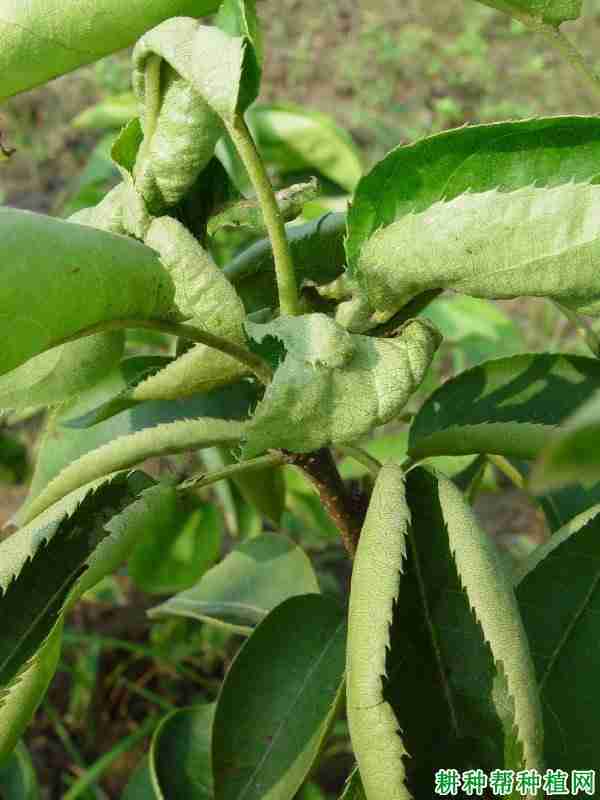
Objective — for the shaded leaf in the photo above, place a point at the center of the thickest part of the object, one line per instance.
(139, 786)
(509, 406)
(353, 790)
(551, 11)
(17, 776)
(266, 742)
(334, 386)
(249, 583)
(563, 635)
(185, 543)
(183, 738)
(539, 242)
(504, 156)
(45, 38)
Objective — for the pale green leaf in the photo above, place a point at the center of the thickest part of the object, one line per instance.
(265, 742)
(334, 386)
(505, 156)
(17, 776)
(76, 270)
(510, 406)
(552, 12)
(573, 454)
(183, 738)
(61, 372)
(45, 38)
(221, 69)
(239, 18)
(294, 139)
(248, 213)
(540, 242)
(249, 583)
(113, 111)
(126, 451)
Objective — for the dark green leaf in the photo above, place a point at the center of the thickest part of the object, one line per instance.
(17, 777)
(509, 406)
(180, 754)
(251, 581)
(265, 742)
(139, 786)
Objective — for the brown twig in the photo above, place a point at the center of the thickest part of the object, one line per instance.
(346, 510)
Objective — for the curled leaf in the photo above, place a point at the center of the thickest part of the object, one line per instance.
(539, 242)
(334, 386)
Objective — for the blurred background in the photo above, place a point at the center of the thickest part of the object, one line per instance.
(388, 72)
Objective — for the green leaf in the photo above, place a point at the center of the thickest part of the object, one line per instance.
(317, 251)
(295, 139)
(185, 543)
(221, 69)
(249, 583)
(61, 446)
(563, 634)
(553, 12)
(76, 270)
(45, 38)
(113, 111)
(139, 786)
(442, 614)
(183, 740)
(505, 156)
(265, 742)
(14, 461)
(17, 777)
(509, 406)
(61, 372)
(127, 451)
(353, 790)
(495, 245)
(248, 213)
(334, 386)
(239, 18)
(572, 455)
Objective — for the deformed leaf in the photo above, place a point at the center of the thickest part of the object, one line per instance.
(552, 12)
(249, 583)
(563, 634)
(540, 242)
(508, 405)
(334, 386)
(434, 633)
(478, 158)
(248, 213)
(126, 451)
(265, 742)
(184, 738)
(45, 38)
(573, 454)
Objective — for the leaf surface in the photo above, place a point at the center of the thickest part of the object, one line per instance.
(249, 583)
(508, 405)
(334, 386)
(551, 11)
(18, 778)
(45, 38)
(265, 742)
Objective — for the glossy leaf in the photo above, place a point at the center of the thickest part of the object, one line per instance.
(76, 269)
(45, 38)
(423, 622)
(183, 739)
(509, 406)
(295, 139)
(249, 583)
(185, 543)
(317, 251)
(334, 386)
(266, 742)
(563, 635)
(552, 12)
(573, 455)
(506, 156)
(17, 777)
(540, 242)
